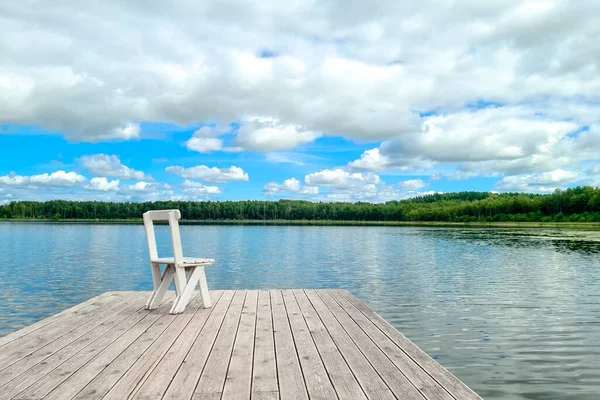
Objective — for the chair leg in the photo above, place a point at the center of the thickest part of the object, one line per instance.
(158, 294)
(179, 280)
(156, 279)
(184, 298)
(156, 275)
(204, 289)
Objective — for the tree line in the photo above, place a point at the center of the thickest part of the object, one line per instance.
(579, 204)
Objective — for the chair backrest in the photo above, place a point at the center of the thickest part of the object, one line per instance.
(173, 216)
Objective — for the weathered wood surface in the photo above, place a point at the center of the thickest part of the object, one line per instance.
(270, 344)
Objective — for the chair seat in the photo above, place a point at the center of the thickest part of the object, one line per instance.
(186, 261)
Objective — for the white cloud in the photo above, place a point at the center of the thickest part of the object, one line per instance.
(204, 145)
(103, 185)
(125, 132)
(14, 180)
(110, 166)
(210, 175)
(292, 186)
(205, 140)
(145, 187)
(497, 134)
(341, 179)
(370, 160)
(197, 188)
(412, 184)
(354, 71)
(269, 134)
(364, 73)
(492, 141)
(540, 182)
(57, 179)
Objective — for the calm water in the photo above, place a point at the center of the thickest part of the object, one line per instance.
(514, 313)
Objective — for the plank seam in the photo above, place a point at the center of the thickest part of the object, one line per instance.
(237, 329)
(192, 346)
(105, 348)
(408, 355)
(51, 319)
(80, 350)
(274, 343)
(361, 349)
(336, 345)
(287, 317)
(131, 344)
(114, 306)
(145, 376)
(254, 346)
(157, 363)
(314, 343)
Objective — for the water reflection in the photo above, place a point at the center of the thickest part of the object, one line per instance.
(515, 313)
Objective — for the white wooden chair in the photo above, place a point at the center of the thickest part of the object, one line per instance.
(176, 266)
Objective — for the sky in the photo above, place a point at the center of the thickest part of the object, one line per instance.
(315, 100)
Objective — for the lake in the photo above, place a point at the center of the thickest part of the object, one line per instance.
(514, 313)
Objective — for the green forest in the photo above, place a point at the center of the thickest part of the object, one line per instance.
(580, 204)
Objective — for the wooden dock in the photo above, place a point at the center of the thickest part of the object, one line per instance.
(276, 344)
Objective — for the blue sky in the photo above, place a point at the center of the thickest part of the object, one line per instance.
(264, 101)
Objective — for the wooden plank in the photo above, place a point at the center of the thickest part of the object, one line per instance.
(265, 395)
(142, 334)
(32, 375)
(239, 375)
(372, 384)
(289, 372)
(264, 371)
(183, 362)
(398, 383)
(45, 386)
(342, 378)
(132, 378)
(258, 345)
(214, 372)
(452, 384)
(318, 384)
(18, 349)
(204, 368)
(52, 319)
(430, 388)
(10, 372)
(104, 381)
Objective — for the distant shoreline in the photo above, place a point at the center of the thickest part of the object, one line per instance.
(567, 225)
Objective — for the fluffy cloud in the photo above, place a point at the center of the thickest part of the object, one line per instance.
(359, 71)
(341, 179)
(412, 184)
(269, 134)
(57, 179)
(486, 141)
(338, 184)
(205, 140)
(103, 185)
(412, 75)
(198, 189)
(145, 187)
(110, 166)
(204, 145)
(370, 160)
(292, 186)
(541, 182)
(210, 175)
(14, 180)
